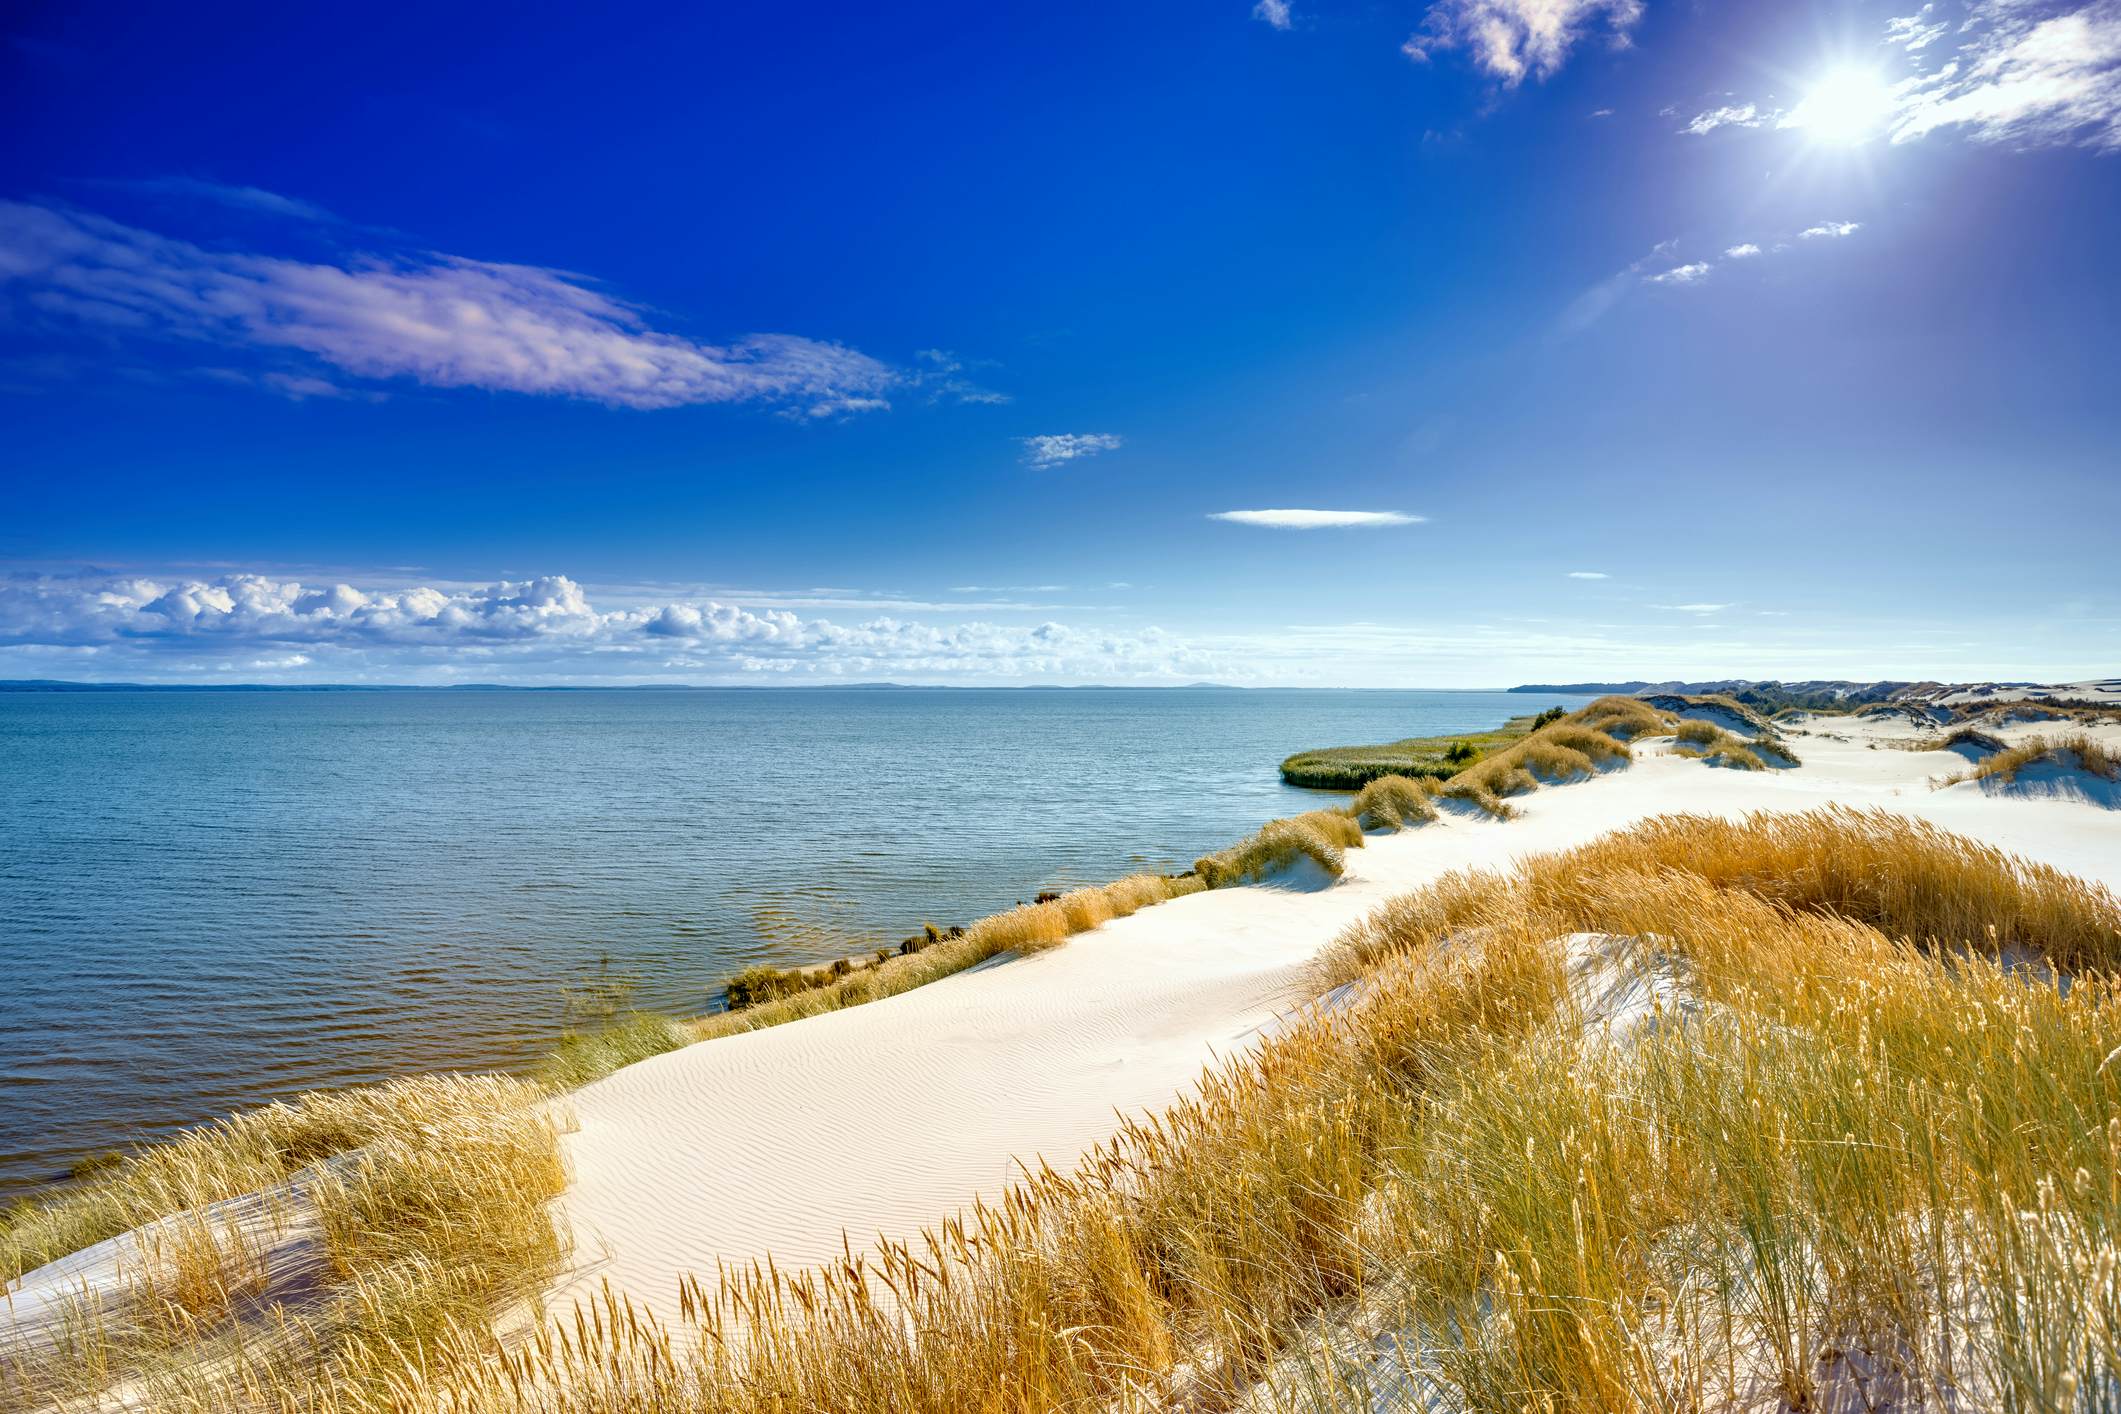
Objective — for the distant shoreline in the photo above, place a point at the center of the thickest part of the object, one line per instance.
(27, 685)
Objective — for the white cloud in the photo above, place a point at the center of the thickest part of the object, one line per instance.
(1316, 520)
(940, 373)
(1588, 574)
(1695, 608)
(1683, 274)
(1512, 38)
(253, 199)
(1601, 112)
(1830, 230)
(1738, 115)
(1911, 33)
(439, 320)
(1742, 252)
(518, 629)
(1273, 12)
(2022, 78)
(1057, 449)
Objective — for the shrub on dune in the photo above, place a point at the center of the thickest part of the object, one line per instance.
(1965, 738)
(1394, 802)
(1322, 836)
(1708, 742)
(1622, 718)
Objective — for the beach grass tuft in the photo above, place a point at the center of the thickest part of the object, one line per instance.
(429, 1202)
(1395, 802)
(1832, 1122)
(2077, 751)
(1321, 836)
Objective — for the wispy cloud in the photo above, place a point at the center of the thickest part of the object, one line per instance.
(1510, 39)
(2020, 76)
(1695, 608)
(1316, 520)
(444, 321)
(1737, 115)
(1058, 449)
(2024, 72)
(1592, 305)
(942, 374)
(1588, 574)
(1273, 12)
(241, 198)
(1916, 31)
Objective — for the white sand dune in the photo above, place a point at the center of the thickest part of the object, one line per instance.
(885, 1118)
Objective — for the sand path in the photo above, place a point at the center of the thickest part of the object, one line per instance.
(882, 1119)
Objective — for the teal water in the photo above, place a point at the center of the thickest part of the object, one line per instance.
(208, 900)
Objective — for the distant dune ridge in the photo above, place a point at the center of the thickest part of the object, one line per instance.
(1186, 1140)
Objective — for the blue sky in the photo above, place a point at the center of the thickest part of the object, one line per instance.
(1560, 338)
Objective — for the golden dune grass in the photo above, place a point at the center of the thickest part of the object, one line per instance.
(1858, 1138)
(1394, 802)
(1322, 836)
(433, 1215)
(2078, 750)
(1577, 746)
(1713, 744)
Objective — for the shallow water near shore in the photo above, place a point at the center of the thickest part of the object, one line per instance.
(208, 900)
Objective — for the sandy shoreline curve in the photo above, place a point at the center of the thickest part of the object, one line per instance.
(801, 1140)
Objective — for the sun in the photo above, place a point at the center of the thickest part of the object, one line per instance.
(1845, 107)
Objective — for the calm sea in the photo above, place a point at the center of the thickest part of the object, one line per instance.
(212, 899)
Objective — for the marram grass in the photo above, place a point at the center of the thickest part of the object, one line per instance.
(431, 1194)
(1863, 1159)
(2077, 750)
(1572, 748)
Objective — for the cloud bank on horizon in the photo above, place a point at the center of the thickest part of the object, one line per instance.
(245, 623)
(253, 627)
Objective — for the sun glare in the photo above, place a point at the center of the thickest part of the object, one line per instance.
(1845, 107)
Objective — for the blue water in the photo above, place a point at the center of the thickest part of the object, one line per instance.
(208, 900)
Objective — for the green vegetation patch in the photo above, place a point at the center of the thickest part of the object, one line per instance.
(1436, 757)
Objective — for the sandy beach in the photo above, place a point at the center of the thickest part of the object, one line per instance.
(794, 1142)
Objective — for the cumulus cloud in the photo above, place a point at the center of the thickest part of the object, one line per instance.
(1588, 574)
(1057, 449)
(1737, 115)
(1273, 12)
(1315, 520)
(1745, 251)
(1689, 274)
(1829, 230)
(2024, 75)
(1511, 39)
(546, 625)
(440, 320)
